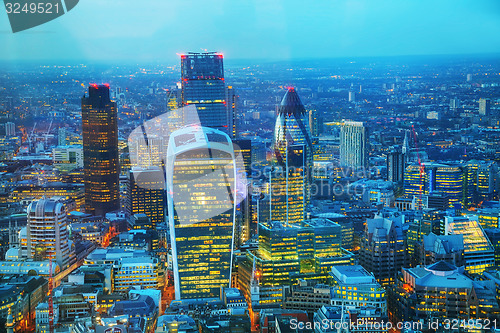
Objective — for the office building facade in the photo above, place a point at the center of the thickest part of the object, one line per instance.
(382, 248)
(287, 253)
(203, 85)
(201, 175)
(147, 194)
(479, 253)
(100, 151)
(395, 166)
(436, 177)
(47, 234)
(353, 145)
(440, 292)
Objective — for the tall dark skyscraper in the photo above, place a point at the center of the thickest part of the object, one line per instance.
(395, 165)
(100, 151)
(203, 85)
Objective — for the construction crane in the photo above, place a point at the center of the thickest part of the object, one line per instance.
(421, 168)
(51, 303)
(30, 136)
(47, 133)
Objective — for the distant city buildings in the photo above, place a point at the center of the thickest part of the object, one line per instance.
(10, 129)
(484, 106)
(217, 208)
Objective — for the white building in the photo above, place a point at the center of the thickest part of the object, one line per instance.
(67, 158)
(47, 233)
(353, 145)
(10, 129)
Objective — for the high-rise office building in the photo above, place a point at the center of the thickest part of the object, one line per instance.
(395, 166)
(352, 96)
(100, 151)
(146, 153)
(436, 177)
(286, 253)
(289, 187)
(315, 122)
(454, 103)
(203, 85)
(244, 228)
(484, 106)
(10, 129)
(382, 249)
(353, 145)
(292, 126)
(201, 190)
(480, 181)
(479, 254)
(429, 221)
(232, 111)
(47, 234)
(290, 178)
(438, 292)
(147, 193)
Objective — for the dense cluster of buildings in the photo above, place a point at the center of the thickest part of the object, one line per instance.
(213, 212)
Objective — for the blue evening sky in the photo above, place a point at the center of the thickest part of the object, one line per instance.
(156, 30)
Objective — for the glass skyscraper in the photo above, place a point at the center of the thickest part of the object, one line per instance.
(290, 179)
(203, 85)
(447, 179)
(100, 151)
(201, 172)
(147, 193)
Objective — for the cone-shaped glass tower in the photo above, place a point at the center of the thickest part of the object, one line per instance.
(292, 125)
(293, 155)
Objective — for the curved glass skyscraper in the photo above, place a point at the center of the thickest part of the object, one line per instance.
(289, 181)
(201, 174)
(292, 125)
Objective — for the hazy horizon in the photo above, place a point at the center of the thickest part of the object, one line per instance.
(156, 31)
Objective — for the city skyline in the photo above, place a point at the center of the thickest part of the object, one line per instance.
(241, 198)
